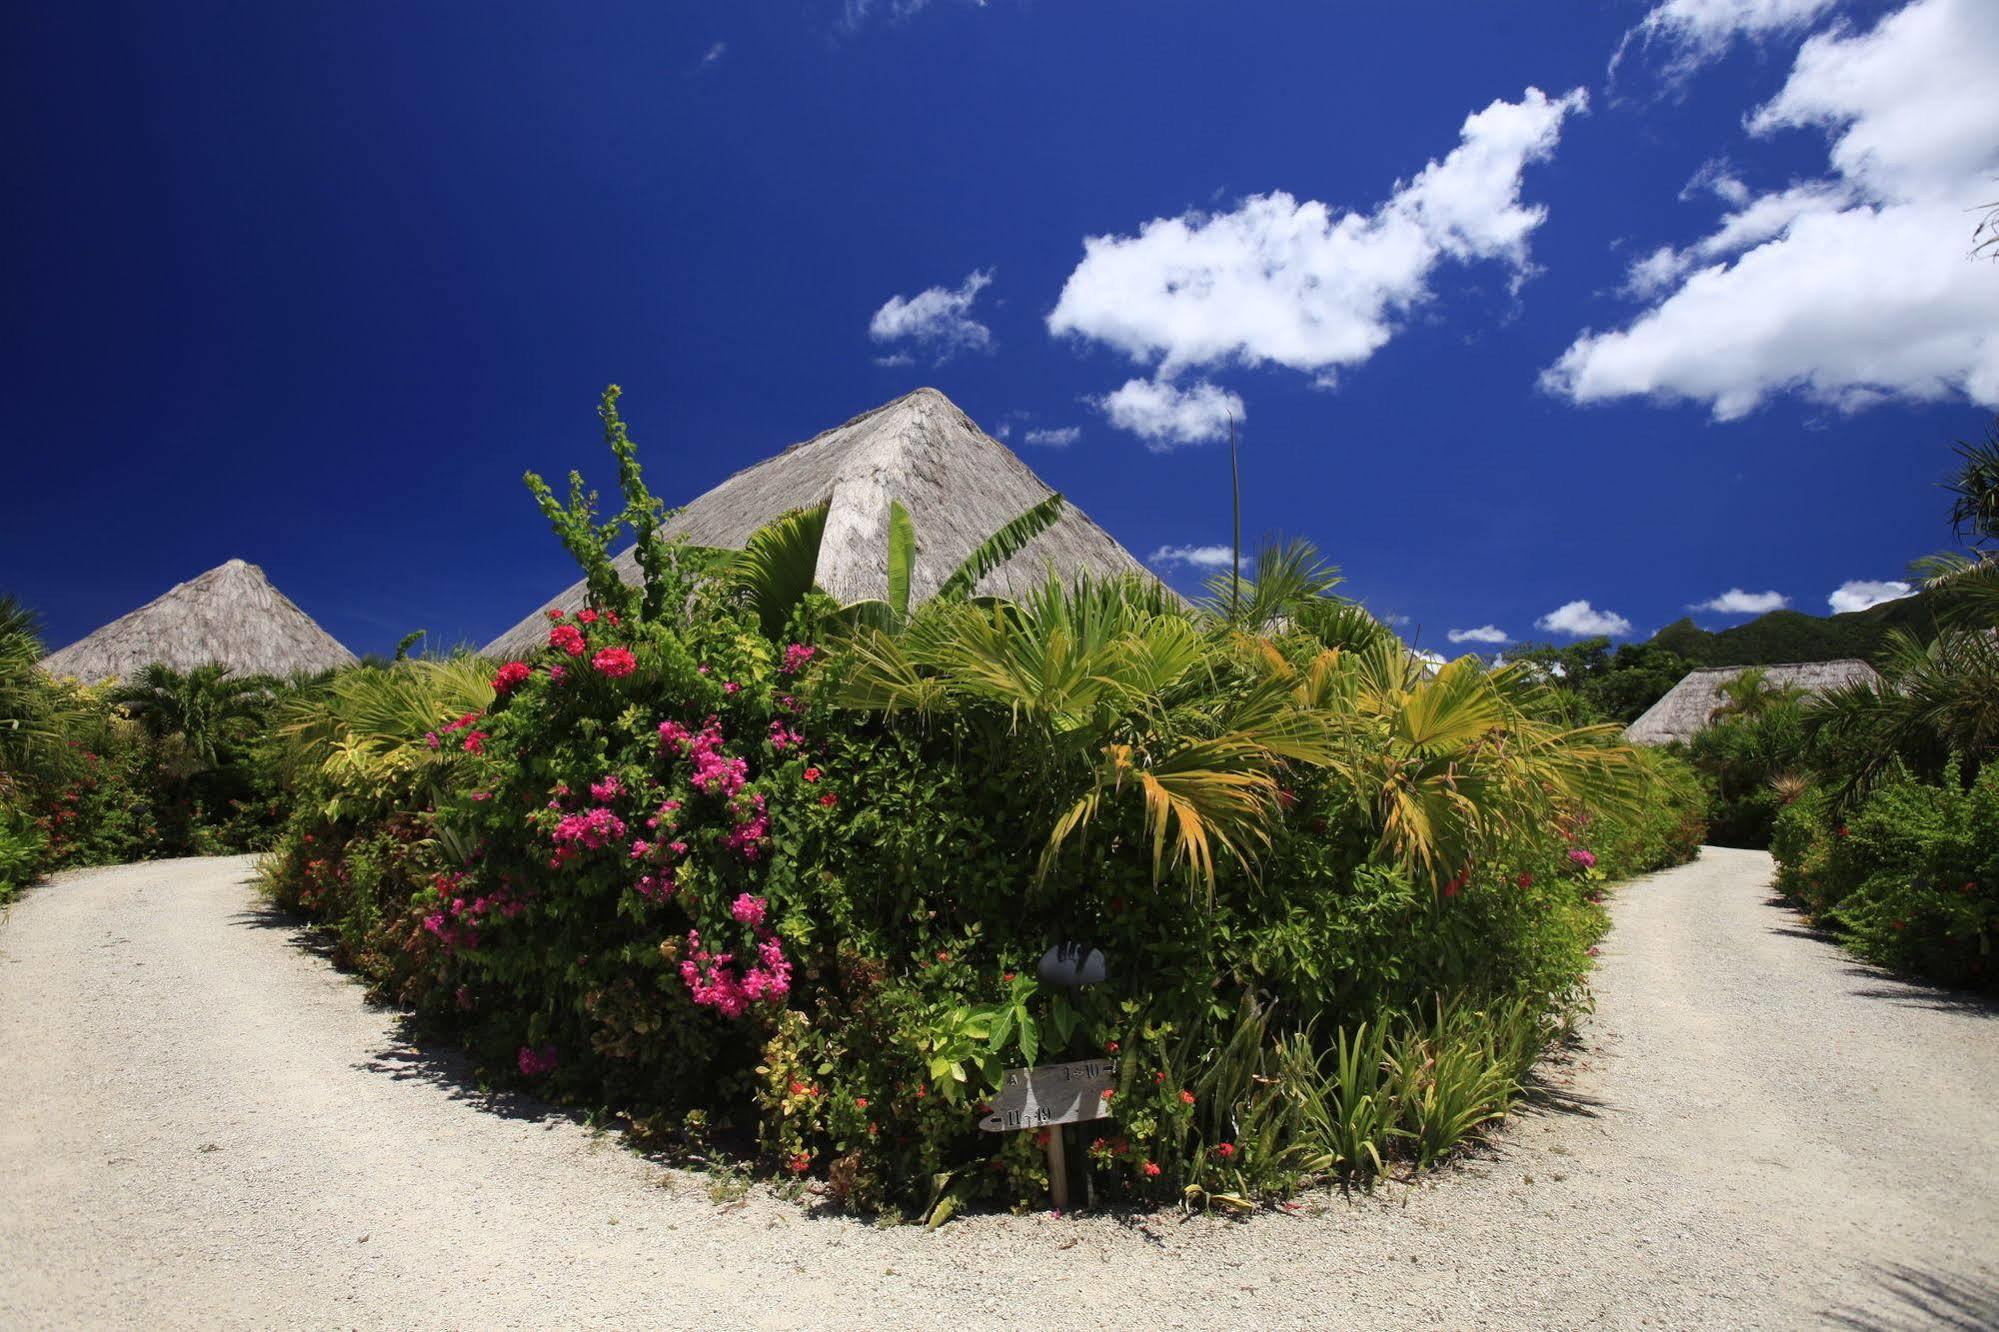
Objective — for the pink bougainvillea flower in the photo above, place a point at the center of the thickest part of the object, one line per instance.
(567, 637)
(702, 668)
(731, 687)
(512, 674)
(1582, 857)
(796, 656)
(615, 662)
(606, 789)
(747, 909)
(535, 1062)
(782, 737)
(430, 738)
(557, 672)
(475, 742)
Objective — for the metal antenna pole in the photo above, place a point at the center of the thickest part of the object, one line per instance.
(1235, 481)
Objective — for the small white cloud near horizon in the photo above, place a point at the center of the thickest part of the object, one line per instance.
(1735, 601)
(1579, 619)
(1848, 290)
(938, 319)
(1053, 437)
(1858, 594)
(1485, 633)
(1167, 417)
(1198, 557)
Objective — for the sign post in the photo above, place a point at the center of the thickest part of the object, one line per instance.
(1049, 1097)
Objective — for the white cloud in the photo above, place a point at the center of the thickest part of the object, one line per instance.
(1695, 31)
(937, 320)
(1579, 619)
(1199, 557)
(1166, 416)
(715, 53)
(894, 359)
(1737, 602)
(1859, 593)
(1004, 430)
(1851, 289)
(1054, 437)
(1299, 284)
(1393, 621)
(1485, 633)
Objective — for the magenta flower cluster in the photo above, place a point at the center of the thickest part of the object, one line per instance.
(457, 919)
(1582, 857)
(536, 1061)
(796, 656)
(712, 979)
(715, 773)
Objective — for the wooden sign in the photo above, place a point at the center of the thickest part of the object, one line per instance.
(1052, 1094)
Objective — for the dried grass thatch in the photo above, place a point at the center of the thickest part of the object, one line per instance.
(231, 615)
(1689, 705)
(958, 483)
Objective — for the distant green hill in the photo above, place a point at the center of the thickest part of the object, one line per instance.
(1788, 635)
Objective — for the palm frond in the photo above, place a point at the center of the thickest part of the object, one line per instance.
(1001, 546)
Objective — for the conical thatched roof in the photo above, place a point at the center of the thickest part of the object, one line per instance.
(230, 615)
(1688, 705)
(958, 483)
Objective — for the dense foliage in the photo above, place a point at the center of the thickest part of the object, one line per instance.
(753, 867)
(164, 765)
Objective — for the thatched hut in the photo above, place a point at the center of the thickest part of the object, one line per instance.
(958, 483)
(1689, 705)
(231, 615)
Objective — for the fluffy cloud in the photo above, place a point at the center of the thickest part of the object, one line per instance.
(1579, 619)
(1485, 633)
(938, 320)
(1166, 416)
(715, 53)
(1199, 557)
(1737, 602)
(1698, 30)
(1054, 437)
(1851, 289)
(1859, 593)
(1299, 284)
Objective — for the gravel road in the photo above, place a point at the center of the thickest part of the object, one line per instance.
(204, 1125)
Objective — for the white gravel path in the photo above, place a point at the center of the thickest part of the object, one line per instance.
(202, 1125)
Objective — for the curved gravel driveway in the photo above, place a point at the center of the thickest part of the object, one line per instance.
(202, 1124)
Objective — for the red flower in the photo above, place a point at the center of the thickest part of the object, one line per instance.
(1151, 1170)
(1186, 1097)
(812, 774)
(1451, 888)
(1525, 881)
(510, 675)
(829, 799)
(1107, 1093)
(1158, 1078)
(567, 637)
(615, 662)
(1840, 831)
(860, 1103)
(553, 614)
(612, 616)
(1225, 1150)
(475, 742)
(1041, 1138)
(587, 616)
(1110, 1047)
(943, 957)
(800, 1163)
(797, 1087)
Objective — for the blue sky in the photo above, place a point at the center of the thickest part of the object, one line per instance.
(313, 285)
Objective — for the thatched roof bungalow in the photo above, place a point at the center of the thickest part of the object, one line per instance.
(231, 615)
(958, 483)
(1689, 705)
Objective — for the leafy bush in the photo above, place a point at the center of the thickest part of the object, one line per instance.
(23, 851)
(1908, 876)
(788, 893)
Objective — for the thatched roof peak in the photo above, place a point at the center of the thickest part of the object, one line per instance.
(958, 483)
(231, 615)
(1689, 705)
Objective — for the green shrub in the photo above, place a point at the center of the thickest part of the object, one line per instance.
(23, 851)
(1908, 876)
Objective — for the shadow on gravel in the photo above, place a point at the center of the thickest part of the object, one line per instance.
(416, 1056)
(1911, 994)
(300, 932)
(1910, 1299)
